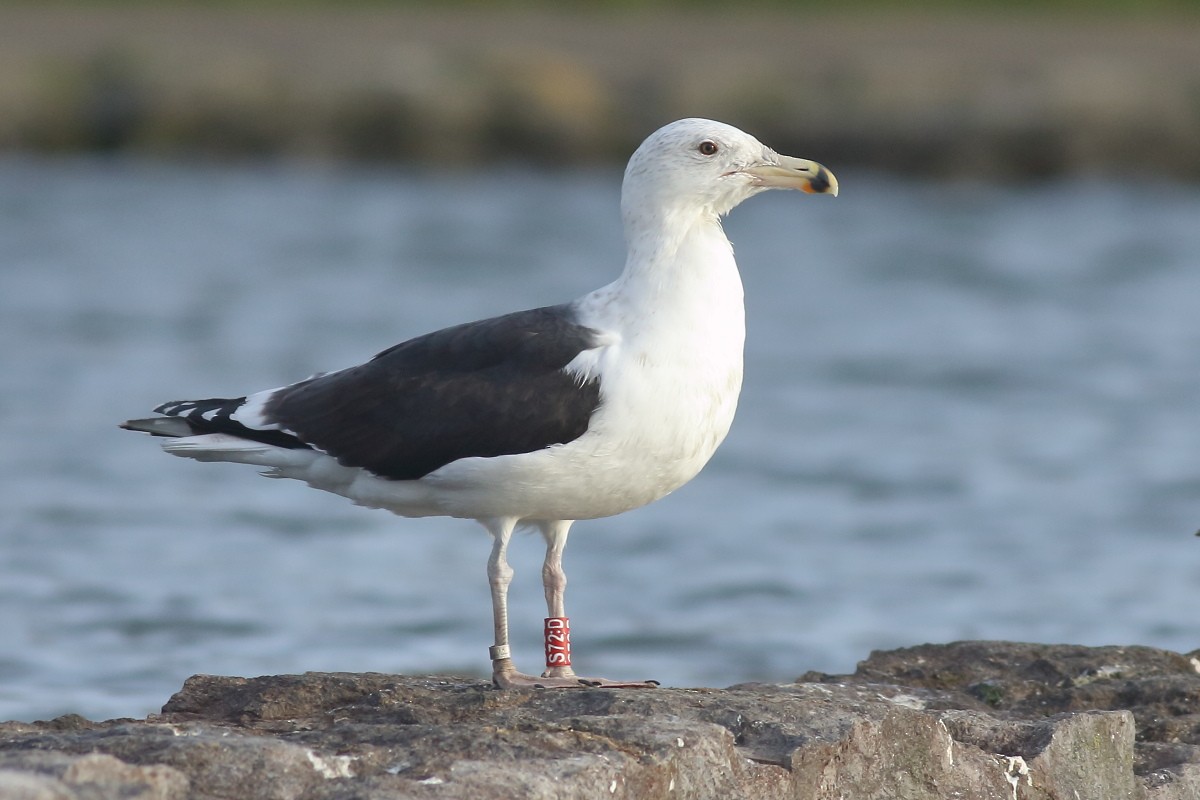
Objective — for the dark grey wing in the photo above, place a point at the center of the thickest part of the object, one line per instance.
(489, 388)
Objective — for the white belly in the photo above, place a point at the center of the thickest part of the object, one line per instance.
(654, 432)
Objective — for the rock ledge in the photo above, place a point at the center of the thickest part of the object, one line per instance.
(970, 719)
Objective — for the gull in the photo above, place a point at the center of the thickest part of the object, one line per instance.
(542, 417)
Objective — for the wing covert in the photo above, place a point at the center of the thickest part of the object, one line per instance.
(488, 388)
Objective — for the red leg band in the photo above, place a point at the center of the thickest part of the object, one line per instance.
(558, 642)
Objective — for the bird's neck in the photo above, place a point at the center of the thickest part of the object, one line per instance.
(680, 275)
(670, 250)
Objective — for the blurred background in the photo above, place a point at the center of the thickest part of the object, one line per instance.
(970, 407)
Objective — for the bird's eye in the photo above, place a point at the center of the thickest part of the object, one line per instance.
(707, 148)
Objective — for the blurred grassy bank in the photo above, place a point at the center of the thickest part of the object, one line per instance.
(993, 93)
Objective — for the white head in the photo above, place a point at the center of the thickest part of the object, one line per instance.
(706, 167)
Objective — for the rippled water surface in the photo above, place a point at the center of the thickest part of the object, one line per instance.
(969, 412)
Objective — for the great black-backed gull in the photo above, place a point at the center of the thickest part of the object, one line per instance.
(541, 417)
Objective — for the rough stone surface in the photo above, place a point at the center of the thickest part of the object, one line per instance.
(965, 720)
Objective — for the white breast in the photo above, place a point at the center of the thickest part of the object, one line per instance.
(670, 376)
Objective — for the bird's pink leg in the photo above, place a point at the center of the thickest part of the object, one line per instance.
(554, 580)
(504, 673)
(557, 630)
(500, 574)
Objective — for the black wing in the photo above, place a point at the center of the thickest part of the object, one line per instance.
(489, 388)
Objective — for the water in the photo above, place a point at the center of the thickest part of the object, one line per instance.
(969, 412)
